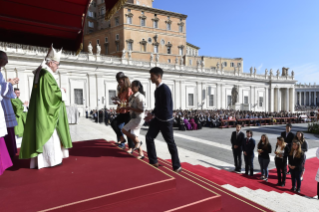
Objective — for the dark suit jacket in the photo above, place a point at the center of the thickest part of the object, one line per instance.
(289, 138)
(249, 146)
(296, 161)
(237, 141)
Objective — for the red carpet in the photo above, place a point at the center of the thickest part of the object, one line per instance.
(100, 177)
(94, 168)
(222, 177)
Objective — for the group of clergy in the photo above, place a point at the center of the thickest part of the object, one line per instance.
(41, 127)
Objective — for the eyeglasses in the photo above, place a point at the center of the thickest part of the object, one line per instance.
(58, 64)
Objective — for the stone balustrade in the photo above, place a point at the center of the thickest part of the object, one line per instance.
(40, 52)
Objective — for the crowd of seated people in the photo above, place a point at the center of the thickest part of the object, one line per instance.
(196, 119)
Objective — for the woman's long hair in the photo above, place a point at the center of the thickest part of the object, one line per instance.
(302, 139)
(299, 151)
(126, 85)
(139, 85)
(283, 143)
(265, 147)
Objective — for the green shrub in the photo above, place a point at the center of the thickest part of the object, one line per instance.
(313, 127)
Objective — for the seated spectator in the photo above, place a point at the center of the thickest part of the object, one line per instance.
(187, 124)
(192, 122)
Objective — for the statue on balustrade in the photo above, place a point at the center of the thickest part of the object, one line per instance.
(278, 72)
(90, 48)
(266, 72)
(255, 71)
(251, 70)
(123, 54)
(271, 72)
(292, 74)
(234, 95)
(217, 66)
(98, 49)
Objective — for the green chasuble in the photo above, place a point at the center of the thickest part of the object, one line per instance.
(46, 113)
(21, 116)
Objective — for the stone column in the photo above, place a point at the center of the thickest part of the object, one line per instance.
(266, 100)
(309, 98)
(278, 100)
(240, 94)
(304, 98)
(287, 99)
(256, 98)
(252, 97)
(299, 97)
(292, 105)
(223, 102)
(272, 99)
(218, 96)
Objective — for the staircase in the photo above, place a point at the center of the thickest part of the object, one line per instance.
(280, 202)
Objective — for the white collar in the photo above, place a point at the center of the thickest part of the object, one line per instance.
(159, 85)
(136, 94)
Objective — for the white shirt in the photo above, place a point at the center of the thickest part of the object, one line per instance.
(137, 101)
(159, 85)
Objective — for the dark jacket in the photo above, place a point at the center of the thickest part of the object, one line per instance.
(163, 103)
(289, 138)
(266, 150)
(249, 146)
(297, 162)
(237, 141)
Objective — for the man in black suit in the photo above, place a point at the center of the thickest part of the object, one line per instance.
(161, 119)
(237, 139)
(288, 136)
(248, 149)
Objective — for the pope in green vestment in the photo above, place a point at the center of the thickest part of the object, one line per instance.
(47, 119)
(21, 116)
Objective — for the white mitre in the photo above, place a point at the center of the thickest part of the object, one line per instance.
(54, 55)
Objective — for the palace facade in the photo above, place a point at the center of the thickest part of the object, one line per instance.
(90, 81)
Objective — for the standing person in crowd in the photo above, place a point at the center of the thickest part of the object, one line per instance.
(46, 138)
(288, 136)
(264, 149)
(282, 151)
(20, 109)
(237, 139)
(7, 94)
(123, 116)
(295, 158)
(136, 107)
(161, 120)
(248, 149)
(304, 147)
(5, 160)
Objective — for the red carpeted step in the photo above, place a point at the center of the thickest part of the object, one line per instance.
(308, 185)
(202, 172)
(95, 170)
(230, 201)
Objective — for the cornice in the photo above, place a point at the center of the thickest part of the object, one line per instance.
(154, 10)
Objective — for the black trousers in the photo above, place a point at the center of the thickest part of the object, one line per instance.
(249, 164)
(281, 167)
(166, 128)
(237, 153)
(120, 119)
(318, 189)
